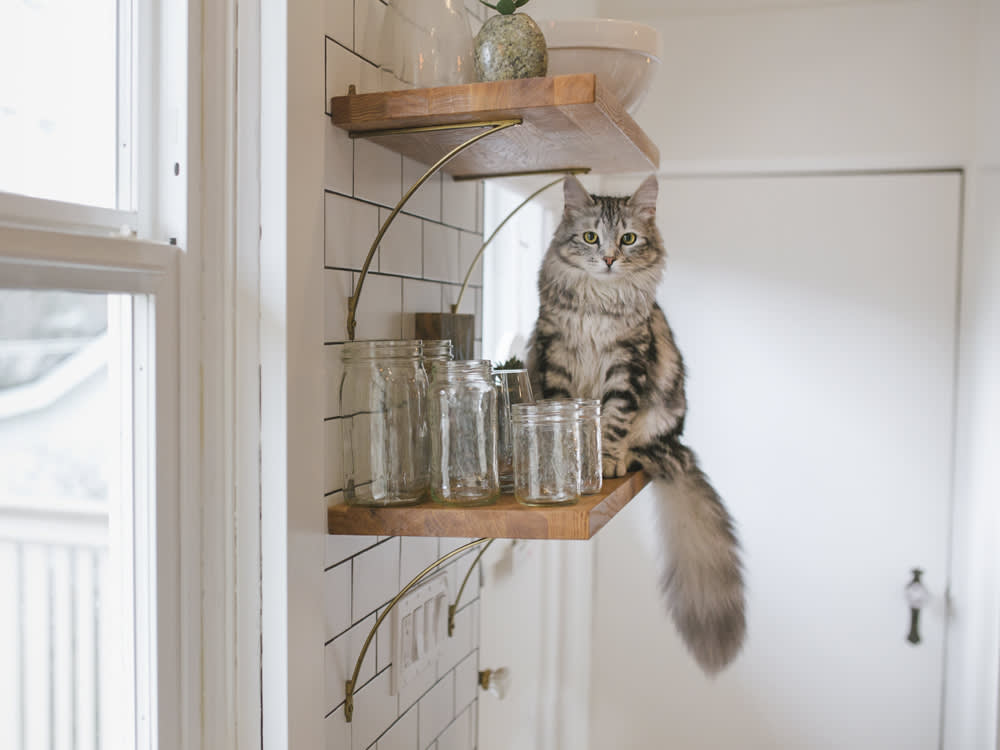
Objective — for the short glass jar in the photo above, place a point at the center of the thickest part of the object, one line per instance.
(383, 406)
(462, 416)
(546, 452)
(435, 352)
(591, 463)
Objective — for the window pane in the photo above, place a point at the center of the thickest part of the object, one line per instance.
(58, 99)
(64, 519)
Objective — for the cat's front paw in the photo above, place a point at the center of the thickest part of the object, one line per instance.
(613, 467)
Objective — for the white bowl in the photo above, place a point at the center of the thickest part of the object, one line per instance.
(625, 55)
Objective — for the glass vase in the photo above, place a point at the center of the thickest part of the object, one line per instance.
(427, 43)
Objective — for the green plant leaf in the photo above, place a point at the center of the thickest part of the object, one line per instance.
(511, 364)
(519, 3)
(506, 7)
(488, 5)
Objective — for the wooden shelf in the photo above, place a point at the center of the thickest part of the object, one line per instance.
(569, 122)
(506, 520)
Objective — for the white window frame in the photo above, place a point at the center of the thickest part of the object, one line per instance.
(192, 245)
(46, 259)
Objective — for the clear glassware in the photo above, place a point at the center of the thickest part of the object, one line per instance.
(427, 43)
(513, 387)
(383, 403)
(591, 468)
(435, 352)
(462, 414)
(546, 453)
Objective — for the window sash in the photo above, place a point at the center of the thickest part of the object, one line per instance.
(43, 259)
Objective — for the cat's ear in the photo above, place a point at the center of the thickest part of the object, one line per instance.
(575, 195)
(644, 198)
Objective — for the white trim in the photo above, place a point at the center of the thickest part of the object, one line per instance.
(230, 390)
(31, 258)
(292, 371)
(246, 449)
(45, 213)
(681, 168)
(126, 118)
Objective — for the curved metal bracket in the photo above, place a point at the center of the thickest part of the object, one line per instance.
(350, 684)
(494, 126)
(453, 608)
(522, 204)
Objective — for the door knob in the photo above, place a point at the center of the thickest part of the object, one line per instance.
(916, 596)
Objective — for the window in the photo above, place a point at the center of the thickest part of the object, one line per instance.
(65, 101)
(65, 510)
(85, 472)
(90, 413)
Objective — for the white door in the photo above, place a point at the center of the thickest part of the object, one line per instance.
(817, 316)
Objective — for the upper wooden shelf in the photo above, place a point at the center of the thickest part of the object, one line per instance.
(568, 122)
(506, 520)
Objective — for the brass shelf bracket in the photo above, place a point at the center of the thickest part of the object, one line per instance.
(453, 608)
(350, 684)
(522, 204)
(493, 126)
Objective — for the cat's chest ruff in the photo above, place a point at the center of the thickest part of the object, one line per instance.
(586, 342)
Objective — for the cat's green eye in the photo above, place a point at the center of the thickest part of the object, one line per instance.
(629, 238)
(590, 238)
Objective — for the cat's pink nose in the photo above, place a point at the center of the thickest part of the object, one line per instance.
(610, 261)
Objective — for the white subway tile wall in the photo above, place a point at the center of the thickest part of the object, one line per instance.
(440, 703)
(419, 266)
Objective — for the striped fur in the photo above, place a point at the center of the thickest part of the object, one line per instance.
(600, 334)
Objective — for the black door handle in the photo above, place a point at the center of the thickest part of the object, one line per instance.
(916, 596)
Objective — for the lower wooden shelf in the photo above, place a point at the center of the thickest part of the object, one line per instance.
(508, 519)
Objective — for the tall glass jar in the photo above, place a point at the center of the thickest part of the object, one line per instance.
(462, 414)
(546, 452)
(513, 387)
(591, 469)
(383, 403)
(435, 352)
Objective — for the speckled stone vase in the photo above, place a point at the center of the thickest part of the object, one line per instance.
(510, 46)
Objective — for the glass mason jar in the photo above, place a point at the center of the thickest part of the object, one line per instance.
(462, 414)
(591, 468)
(513, 387)
(383, 403)
(546, 452)
(435, 352)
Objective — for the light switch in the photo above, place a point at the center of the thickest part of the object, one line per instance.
(419, 627)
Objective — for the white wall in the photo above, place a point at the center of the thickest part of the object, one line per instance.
(419, 267)
(750, 87)
(807, 84)
(973, 662)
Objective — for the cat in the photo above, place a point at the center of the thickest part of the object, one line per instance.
(601, 335)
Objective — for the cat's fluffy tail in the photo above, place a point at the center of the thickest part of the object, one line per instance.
(701, 574)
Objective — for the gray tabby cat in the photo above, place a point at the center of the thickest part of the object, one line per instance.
(600, 334)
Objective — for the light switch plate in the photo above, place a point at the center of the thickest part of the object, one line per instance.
(419, 627)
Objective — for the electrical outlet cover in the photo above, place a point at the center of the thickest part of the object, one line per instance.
(419, 627)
